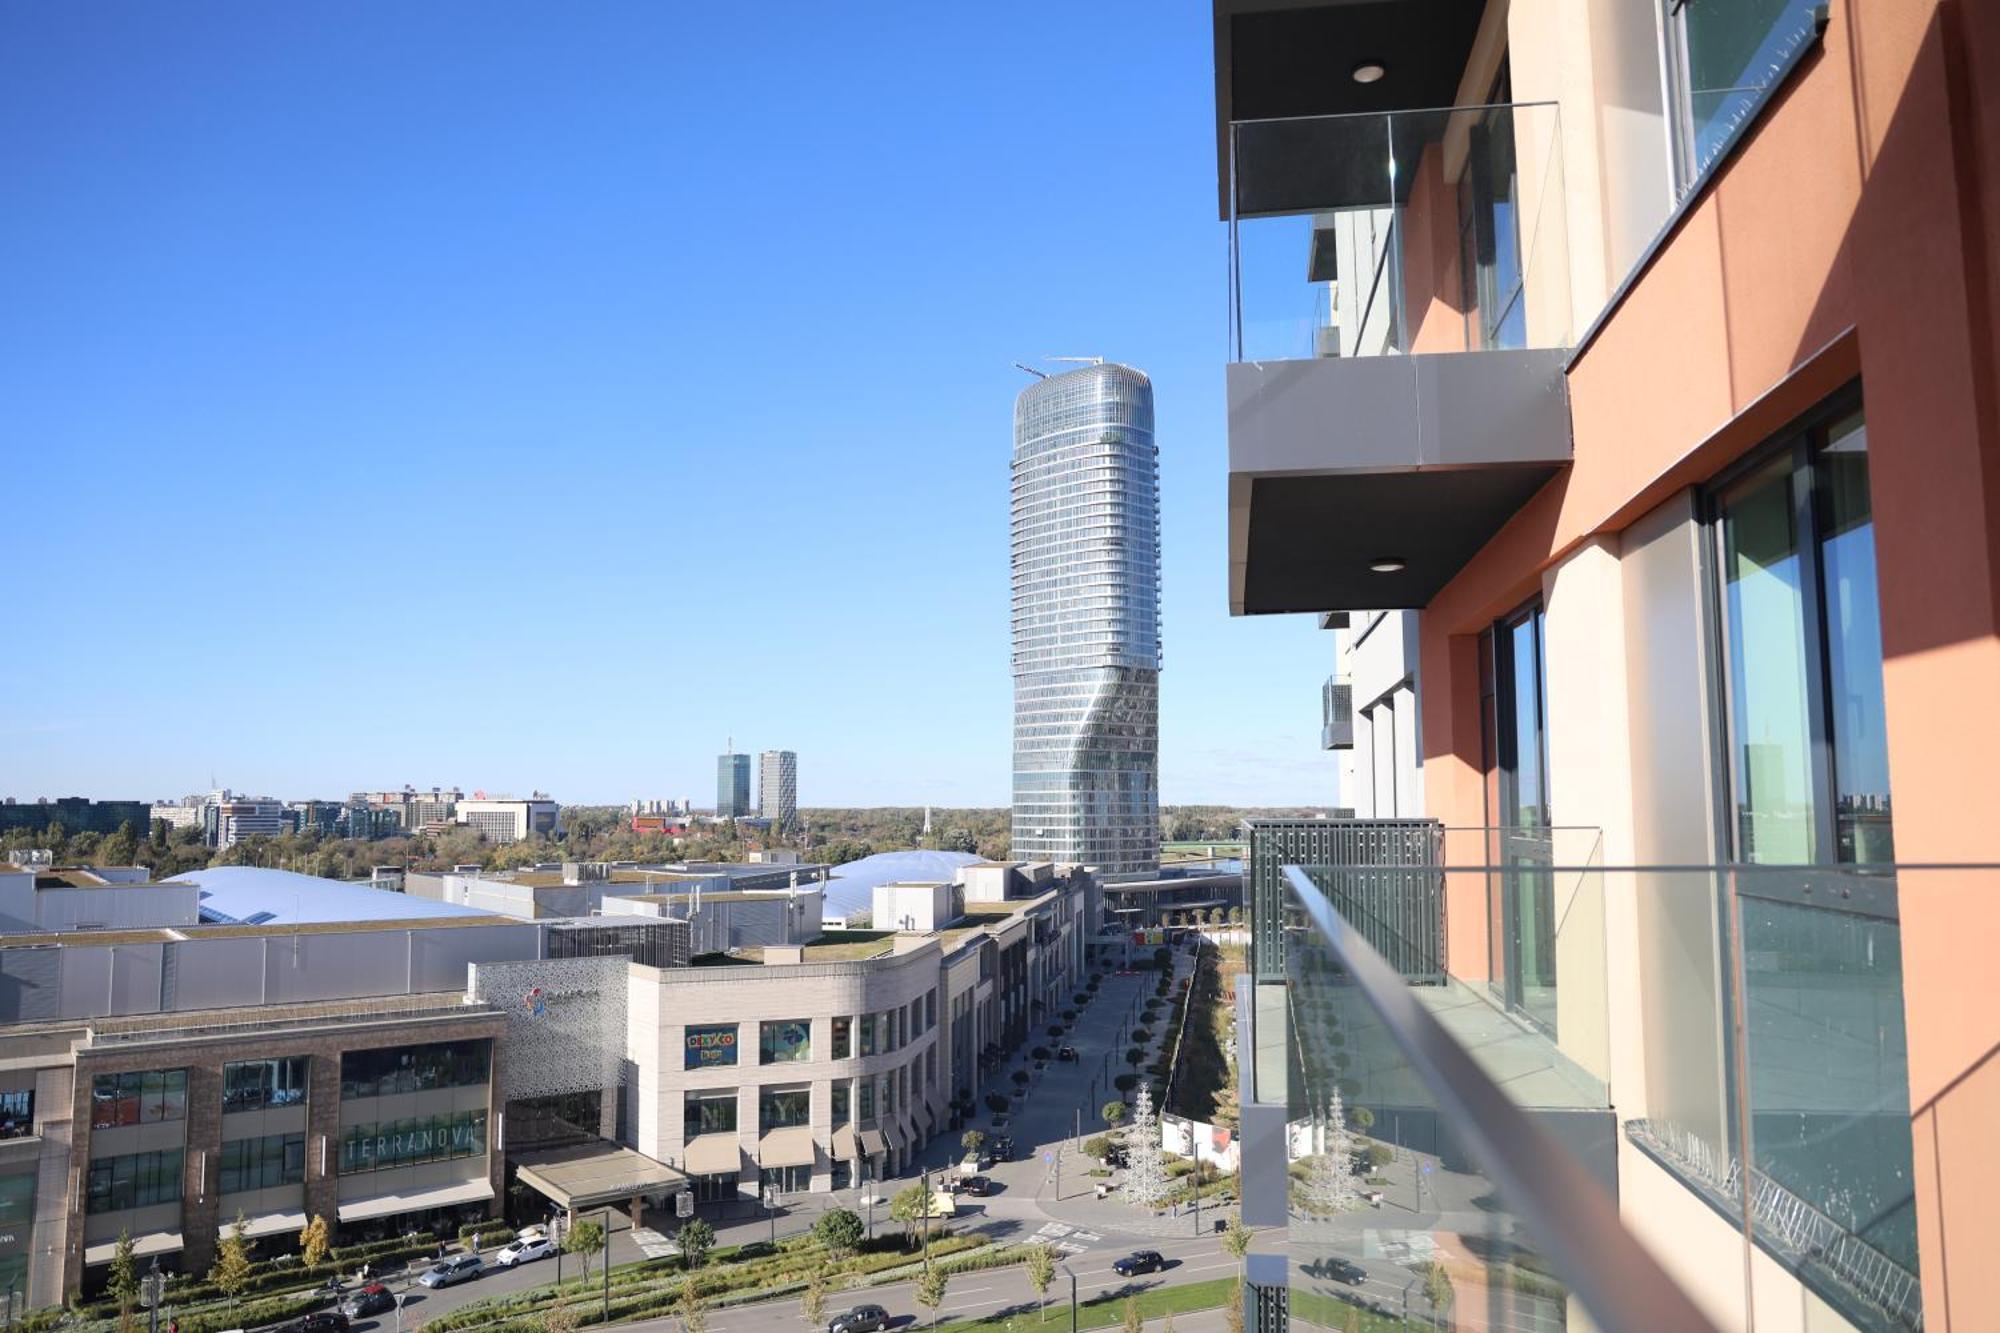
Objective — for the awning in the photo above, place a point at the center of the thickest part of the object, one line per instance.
(873, 1143)
(416, 1201)
(586, 1175)
(845, 1146)
(713, 1155)
(270, 1224)
(787, 1147)
(153, 1242)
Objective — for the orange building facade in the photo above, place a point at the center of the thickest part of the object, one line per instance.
(1745, 627)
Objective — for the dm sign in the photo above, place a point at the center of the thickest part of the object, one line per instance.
(710, 1046)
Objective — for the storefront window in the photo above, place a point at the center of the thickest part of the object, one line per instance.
(783, 1108)
(17, 1113)
(255, 1085)
(138, 1098)
(135, 1180)
(710, 1113)
(785, 1041)
(711, 1047)
(386, 1073)
(381, 1145)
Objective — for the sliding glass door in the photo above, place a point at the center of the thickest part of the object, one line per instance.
(1525, 894)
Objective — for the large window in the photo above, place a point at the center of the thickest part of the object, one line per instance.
(135, 1180)
(1522, 895)
(1802, 654)
(142, 1097)
(381, 1145)
(843, 1102)
(785, 1041)
(709, 1047)
(254, 1085)
(783, 1108)
(17, 1113)
(384, 1073)
(843, 1038)
(255, 1164)
(710, 1113)
(1726, 56)
(1490, 269)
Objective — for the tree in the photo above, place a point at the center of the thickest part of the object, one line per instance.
(1041, 1272)
(693, 1315)
(930, 1290)
(840, 1231)
(1330, 1184)
(1168, 1327)
(812, 1302)
(696, 1238)
(231, 1273)
(909, 1207)
(1145, 1162)
(1114, 1112)
(1098, 1146)
(1232, 1314)
(586, 1238)
(124, 1279)
(972, 1141)
(314, 1241)
(1438, 1289)
(1134, 1321)
(1236, 1240)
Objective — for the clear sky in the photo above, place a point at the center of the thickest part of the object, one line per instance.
(516, 396)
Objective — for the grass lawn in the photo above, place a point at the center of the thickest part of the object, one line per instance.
(1107, 1312)
(1317, 1310)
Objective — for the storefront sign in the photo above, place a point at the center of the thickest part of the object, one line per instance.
(708, 1047)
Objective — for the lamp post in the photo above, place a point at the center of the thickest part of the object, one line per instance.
(606, 1265)
(1072, 1297)
(155, 1288)
(555, 1235)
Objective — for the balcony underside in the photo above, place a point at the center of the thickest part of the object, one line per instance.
(1336, 464)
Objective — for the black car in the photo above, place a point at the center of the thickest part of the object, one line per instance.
(1139, 1261)
(1340, 1270)
(977, 1186)
(324, 1321)
(1114, 1156)
(371, 1299)
(1003, 1149)
(861, 1319)
(1067, 1054)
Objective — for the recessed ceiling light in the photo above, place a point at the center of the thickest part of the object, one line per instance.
(1368, 71)
(1388, 564)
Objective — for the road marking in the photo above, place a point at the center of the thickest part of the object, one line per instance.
(1088, 1236)
(1071, 1247)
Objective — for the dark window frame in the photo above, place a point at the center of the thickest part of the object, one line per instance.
(1799, 440)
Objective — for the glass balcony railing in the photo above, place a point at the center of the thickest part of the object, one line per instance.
(1403, 232)
(1723, 1044)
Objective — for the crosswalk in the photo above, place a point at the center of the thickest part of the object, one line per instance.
(654, 1245)
(1068, 1239)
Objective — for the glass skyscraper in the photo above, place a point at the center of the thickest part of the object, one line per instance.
(1086, 555)
(732, 786)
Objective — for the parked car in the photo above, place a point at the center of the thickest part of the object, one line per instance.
(323, 1321)
(977, 1186)
(450, 1272)
(1139, 1261)
(524, 1249)
(861, 1319)
(371, 1299)
(1003, 1148)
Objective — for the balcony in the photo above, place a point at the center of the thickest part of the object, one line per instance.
(1722, 1044)
(1336, 714)
(1400, 306)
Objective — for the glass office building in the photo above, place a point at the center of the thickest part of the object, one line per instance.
(732, 786)
(1086, 558)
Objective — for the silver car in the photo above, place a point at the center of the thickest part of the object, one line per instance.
(449, 1272)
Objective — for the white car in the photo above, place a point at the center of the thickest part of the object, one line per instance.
(524, 1249)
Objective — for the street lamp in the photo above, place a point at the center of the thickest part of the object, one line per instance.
(607, 1264)
(1072, 1297)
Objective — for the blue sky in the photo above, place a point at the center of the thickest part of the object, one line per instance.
(535, 395)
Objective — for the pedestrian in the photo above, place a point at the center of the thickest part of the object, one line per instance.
(475, 1243)
(174, 1325)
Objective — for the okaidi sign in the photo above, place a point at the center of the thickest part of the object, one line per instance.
(709, 1046)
